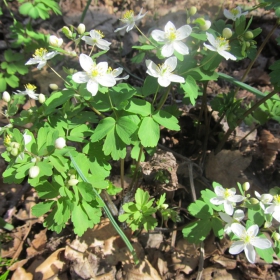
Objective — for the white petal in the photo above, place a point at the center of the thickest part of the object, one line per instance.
(102, 67)
(219, 191)
(226, 55)
(94, 34)
(107, 80)
(261, 243)
(238, 229)
(211, 48)
(270, 209)
(180, 47)
(116, 72)
(183, 32)
(130, 26)
(103, 44)
(121, 28)
(253, 230)
(50, 55)
(238, 215)
(228, 14)
(27, 138)
(250, 253)
(176, 78)
(171, 62)
(169, 25)
(225, 217)
(80, 77)
(211, 38)
(217, 200)
(167, 50)
(228, 207)
(86, 62)
(236, 247)
(258, 196)
(41, 64)
(163, 81)
(236, 198)
(92, 87)
(152, 68)
(32, 61)
(276, 216)
(88, 40)
(158, 35)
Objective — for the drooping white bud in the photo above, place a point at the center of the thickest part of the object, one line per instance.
(55, 42)
(6, 96)
(206, 26)
(60, 143)
(81, 28)
(34, 171)
(227, 33)
(73, 182)
(42, 98)
(53, 86)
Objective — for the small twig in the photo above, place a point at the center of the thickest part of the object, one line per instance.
(190, 167)
(201, 261)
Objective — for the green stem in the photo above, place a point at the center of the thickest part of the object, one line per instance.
(155, 97)
(59, 75)
(163, 99)
(122, 172)
(111, 104)
(247, 113)
(11, 13)
(85, 11)
(145, 36)
(108, 213)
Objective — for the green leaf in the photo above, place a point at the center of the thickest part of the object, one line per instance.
(200, 209)
(86, 191)
(197, 231)
(125, 127)
(150, 86)
(139, 106)
(149, 139)
(240, 24)
(138, 58)
(42, 208)
(218, 227)
(144, 47)
(62, 214)
(59, 163)
(191, 89)
(166, 119)
(25, 8)
(256, 214)
(141, 197)
(12, 81)
(266, 254)
(206, 195)
(102, 129)
(114, 145)
(47, 190)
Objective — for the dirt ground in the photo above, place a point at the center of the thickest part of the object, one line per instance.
(37, 253)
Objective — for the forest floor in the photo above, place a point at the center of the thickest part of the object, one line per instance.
(32, 252)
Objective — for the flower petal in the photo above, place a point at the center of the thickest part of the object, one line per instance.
(211, 38)
(107, 80)
(219, 191)
(167, 50)
(238, 229)
(163, 81)
(228, 207)
(228, 14)
(225, 217)
(152, 68)
(236, 247)
(169, 25)
(261, 243)
(217, 200)
(171, 62)
(80, 77)
(86, 62)
(250, 253)
(238, 215)
(92, 87)
(226, 55)
(236, 198)
(103, 44)
(158, 35)
(180, 47)
(183, 32)
(176, 78)
(253, 230)
(276, 216)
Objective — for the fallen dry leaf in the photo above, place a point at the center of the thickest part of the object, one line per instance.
(38, 244)
(21, 274)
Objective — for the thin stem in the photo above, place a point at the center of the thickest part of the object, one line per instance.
(238, 122)
(111, 104)
(11, 13)
(59, 75)
(163, 99)
(144, 35)
(122, 172)
(155, 97)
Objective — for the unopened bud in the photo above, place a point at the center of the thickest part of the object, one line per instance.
(192, 11)
(60, 143)
(276, 236)
(254, 201)
(42, 98)
(15, 145)
(53, 86)
(248, 44)
(67, 32)
(73, 182)
(81, 28)
(227, 33)
(9, 125)
(6, 96)
(246, 186)
(206, 26)
(34, 171)
(249, 35)
(267, 224)
(55, 42)
(14, 152)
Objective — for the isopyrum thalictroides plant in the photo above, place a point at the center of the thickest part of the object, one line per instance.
(78, 130)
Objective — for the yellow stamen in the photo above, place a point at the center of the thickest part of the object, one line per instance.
(7, 140)
(100, 33)
(30, 87)
(40, 52)
(94, 72)
(227, 193)
(223, 43)
(235, 12)
(109, 69)
(277, 198)
(172, 34)
(128, 15)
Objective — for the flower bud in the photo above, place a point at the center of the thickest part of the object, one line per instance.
(6, 96)
(53, 86)
(14, 152)
(42, 98)
(227, 33)
(73, 182)
(55, 42)
(192, 11)
(248, 44)
(15, 145)
(276, 236)
(267, 224)
(249, 35)
(67, 32)
(206, 26)
(254, 201)
(9, 125)
(60, 143)
(81, 28)
(34, 171)
(246, 186)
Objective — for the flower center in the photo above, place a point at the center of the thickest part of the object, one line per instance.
(171, 35)
(227, 193)
(30, 87)
(7, 140)
(94, 72)
(223, 43)
(110, 70)
(163, 69)
(235, 12)
(40, 52)
(100, 33)
(128, 15)
(277, 199)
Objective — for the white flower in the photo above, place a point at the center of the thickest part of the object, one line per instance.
(129, 19)
(60, 143)
(95, 39)
(26, 138)
(234, 14)
(55, 42)
(274, 209)
(171, 37)
(116, 72)
(248, 241)
(30, 91)
(40, 57)
(264, 199)
(226, 197)
(236, 218)
(164, 72)
(219, 45)
(6, 96)
(34, 171)
(94, 74)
